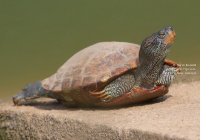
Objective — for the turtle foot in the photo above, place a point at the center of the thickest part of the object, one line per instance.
(101, 94)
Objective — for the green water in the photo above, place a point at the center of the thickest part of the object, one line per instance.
(37, 37)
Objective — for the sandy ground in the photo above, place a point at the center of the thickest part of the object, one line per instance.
(173, 116)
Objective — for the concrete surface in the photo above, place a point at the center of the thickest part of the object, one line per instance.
(173, 116)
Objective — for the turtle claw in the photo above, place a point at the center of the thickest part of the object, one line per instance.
(104, 98)
(101, 94)
(98, 92)
(107, 98)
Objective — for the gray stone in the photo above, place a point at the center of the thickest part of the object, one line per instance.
(173, 116)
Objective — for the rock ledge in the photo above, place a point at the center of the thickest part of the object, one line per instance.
(173, 116)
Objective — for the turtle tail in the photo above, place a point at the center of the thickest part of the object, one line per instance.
(30, 91)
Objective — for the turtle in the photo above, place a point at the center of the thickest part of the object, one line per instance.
(110, 74)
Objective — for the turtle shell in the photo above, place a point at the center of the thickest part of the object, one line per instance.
(92, 68)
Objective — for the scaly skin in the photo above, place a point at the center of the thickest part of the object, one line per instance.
(151, 75)
(150, 80)
(125, 83)
(153, 52)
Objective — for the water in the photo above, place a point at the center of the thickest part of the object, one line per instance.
(37, 37)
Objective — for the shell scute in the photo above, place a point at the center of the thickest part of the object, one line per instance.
(97, 64)
(66, 83)
(76, 82)
(114, 58)
(119, 71)
(132, 63)
(76, 70)
(130, 51)
(87, 68)
(87, 80)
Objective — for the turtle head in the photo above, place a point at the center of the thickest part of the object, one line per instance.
(153, 52)
(157, 45)
(166, 35)
(30, 91)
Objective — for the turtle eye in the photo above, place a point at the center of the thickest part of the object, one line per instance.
(161, 33)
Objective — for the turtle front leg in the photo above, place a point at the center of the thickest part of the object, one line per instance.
(135, 95)
(116, 88)
(167, 75)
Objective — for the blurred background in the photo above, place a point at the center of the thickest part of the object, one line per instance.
(37, 37)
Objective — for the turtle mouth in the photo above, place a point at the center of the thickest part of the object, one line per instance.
(15, 101)
(170, 37)
(20, 97)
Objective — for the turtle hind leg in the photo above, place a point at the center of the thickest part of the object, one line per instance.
(30, 91)
(116, 88)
